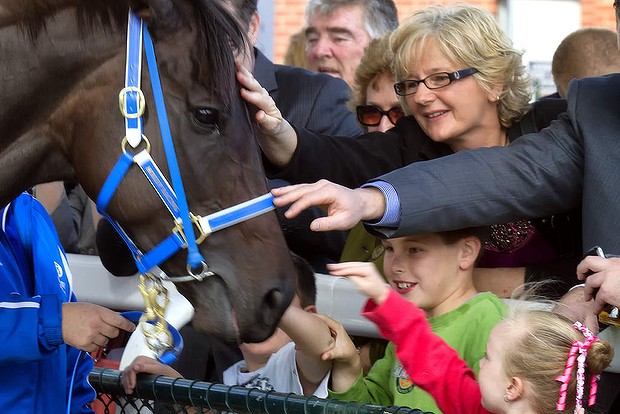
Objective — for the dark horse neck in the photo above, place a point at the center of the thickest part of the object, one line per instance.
(51, 53)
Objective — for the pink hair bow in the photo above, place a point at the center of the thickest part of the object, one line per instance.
(578, 351)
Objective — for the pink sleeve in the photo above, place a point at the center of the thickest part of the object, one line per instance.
(430, 362)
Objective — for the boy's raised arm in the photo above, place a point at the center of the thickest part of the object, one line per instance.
(312, 338)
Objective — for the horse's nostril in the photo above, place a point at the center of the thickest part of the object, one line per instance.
(273, 299)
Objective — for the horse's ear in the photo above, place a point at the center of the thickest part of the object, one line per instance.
(160, 12)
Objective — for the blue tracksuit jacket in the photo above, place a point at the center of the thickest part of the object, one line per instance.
(36, 367)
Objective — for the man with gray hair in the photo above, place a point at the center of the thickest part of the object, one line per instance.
(338, 31)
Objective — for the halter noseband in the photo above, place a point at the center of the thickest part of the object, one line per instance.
(132, 104)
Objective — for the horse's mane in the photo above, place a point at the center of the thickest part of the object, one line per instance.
(219, 31)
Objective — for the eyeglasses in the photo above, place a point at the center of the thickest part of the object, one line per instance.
(370, 115)
(434, 81)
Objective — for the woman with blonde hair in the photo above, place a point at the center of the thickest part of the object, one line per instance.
(464, 86)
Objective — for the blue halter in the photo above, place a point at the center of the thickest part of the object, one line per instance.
(132, 104)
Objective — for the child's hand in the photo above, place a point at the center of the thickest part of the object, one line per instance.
(346, 362)
(344, 349)
(147, 365)
(364, 276)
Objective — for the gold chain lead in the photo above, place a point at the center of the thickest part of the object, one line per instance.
(155, 328)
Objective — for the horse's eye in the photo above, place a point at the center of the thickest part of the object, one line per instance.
(207, 116)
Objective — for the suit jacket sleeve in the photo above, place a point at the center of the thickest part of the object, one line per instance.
(311, 100)
(537, 175)
(330, 114)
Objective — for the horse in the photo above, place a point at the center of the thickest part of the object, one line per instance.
(61, 68)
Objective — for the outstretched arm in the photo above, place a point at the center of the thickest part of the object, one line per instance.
(421, 352)
(345, 207)
(312, 338)
(347, 363)
(431, 363)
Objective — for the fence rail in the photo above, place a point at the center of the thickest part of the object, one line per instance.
(177, 395)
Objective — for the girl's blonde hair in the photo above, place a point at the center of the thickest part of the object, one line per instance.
(540, 345)
(471, 38)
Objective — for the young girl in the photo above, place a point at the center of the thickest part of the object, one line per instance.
(536, 361)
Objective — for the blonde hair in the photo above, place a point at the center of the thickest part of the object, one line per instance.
(540, 344)
(296, 51)
(376, 61)
(471, 37)
(589, 51)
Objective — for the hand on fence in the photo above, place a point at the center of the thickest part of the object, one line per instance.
(147, 365)
(87, 326)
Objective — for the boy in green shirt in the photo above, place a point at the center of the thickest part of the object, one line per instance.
(435, 272)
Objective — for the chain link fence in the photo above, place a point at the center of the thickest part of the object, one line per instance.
(158, 394)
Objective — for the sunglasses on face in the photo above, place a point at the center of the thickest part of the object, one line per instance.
(370, 115)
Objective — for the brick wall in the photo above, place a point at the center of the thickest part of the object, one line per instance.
(289, 16)
(598, 13)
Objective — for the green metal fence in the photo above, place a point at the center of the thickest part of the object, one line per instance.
(159, 394)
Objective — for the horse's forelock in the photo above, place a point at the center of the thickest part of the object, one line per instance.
(219, 31)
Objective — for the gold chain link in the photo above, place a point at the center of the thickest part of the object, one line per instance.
(155, 328)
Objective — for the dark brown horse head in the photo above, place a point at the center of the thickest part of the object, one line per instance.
(76, 134)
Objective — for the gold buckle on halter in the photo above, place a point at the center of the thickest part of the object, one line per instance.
(144, 138)
(178, 228)
(122, 101)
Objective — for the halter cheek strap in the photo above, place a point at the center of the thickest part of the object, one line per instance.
(579, 352)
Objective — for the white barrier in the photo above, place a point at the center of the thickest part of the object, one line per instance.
(336, 297)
